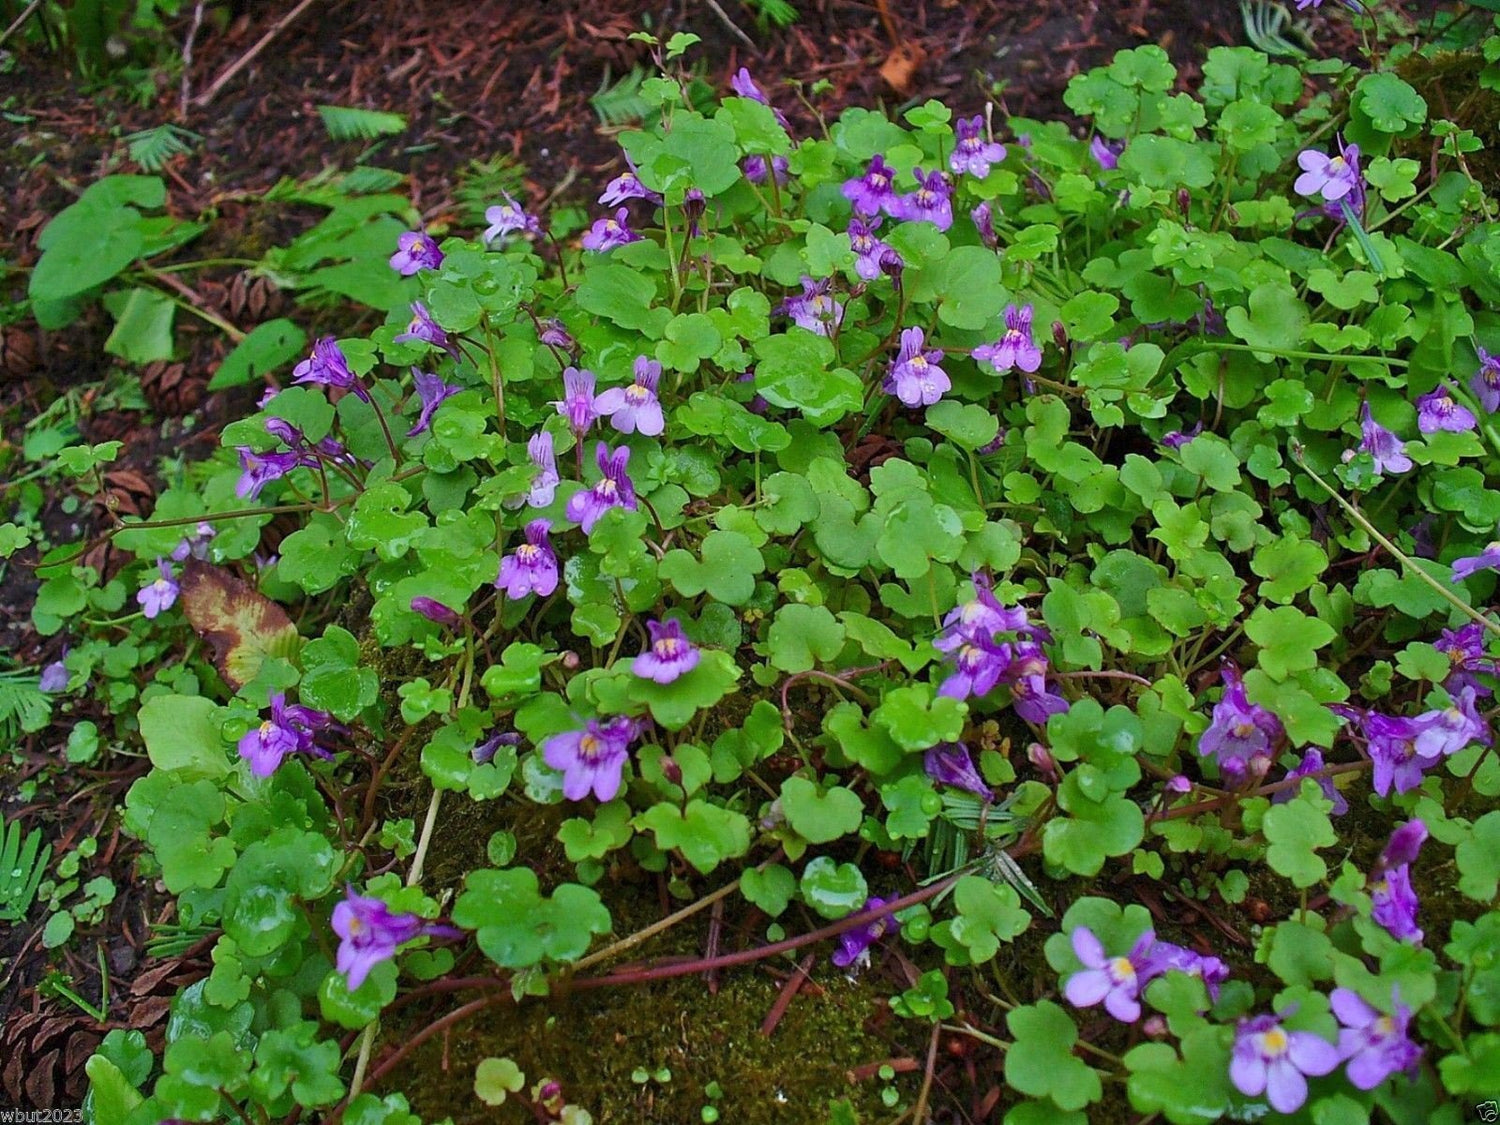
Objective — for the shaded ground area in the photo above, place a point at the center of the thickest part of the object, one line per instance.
(474, 81)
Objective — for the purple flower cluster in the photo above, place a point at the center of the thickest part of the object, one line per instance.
(1402, 749)
(328, 367)
(1242, 735)
(532, 567)
(370, 932)
(816, 309)
(1393, 901)
(291, 729)
(981, 662)
(1119, 980)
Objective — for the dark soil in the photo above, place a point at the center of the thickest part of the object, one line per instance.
(474, 80)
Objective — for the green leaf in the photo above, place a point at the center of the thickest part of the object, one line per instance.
(181, 733)
(1478, 858)
(803, 636)
(988, 914)
(1166, 162)
(1040, 1062)
(834, 890)
(690, 339)
(704, 833)
(795, 372)
(622, 296)
(346, 123)
(1390, 103)
(267, 347)
(517, 927)
(332, 679)
(1275, 318)
(494, 1079)
(1289, 565)
(1288, 639)
(819, 817)
(726, 570)
(968, 425)
(770, 888)
(1295, 831)
(143, 325)
(916, 718)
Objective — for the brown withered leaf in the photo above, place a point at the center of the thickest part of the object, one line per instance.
(243, 626)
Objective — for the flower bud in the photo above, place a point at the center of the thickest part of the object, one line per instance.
(1155, 1027)
(1040, 757)
(570, 660)
(1184, 201)
(671, 770)
(1060, 335)
(434, 610)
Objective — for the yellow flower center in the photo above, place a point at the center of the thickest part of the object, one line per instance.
(919, 363)
(606, 488)
(1244, 729)
(528, 553)
(1274, 1042)
(666, 647)
(637, 393)
(611, 226)
(588, 746)
(1121, 969)
(1385, 1026)
(356, 926)
(266, 728)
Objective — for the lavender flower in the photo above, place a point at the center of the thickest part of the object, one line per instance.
(757, 171)
(578, 404)
(370, 932)
(854, 945)
(1164, 957)
(1176, 439)
(54, 677)
(614, 489)
(1016, 347)
(426, 330)
(509, 218)
(1242, 733)
(931, 202)
(1272, 1061)
(415, 252)
(977, 667)
(1485, 383)
(1333, 177)
(485, 752)
(1106, 154)
(816, 309)
(432, 391)
(972, 153)
(984, 223)
(872, 193)
(532, 567)
(196, 544)
(915, 377)
(544, 484)
(592, 758)
(635, 409)
(1487, 559)
(1026, 675)
(1392, 744)
(291, 729)
(745, 86)
(1114, 980)
(160, 594)
(606, 234)
(867, 249)
(1393, 904)
(1439, 410)
(1380, 443)
(328, 367)
(1375, 1046)
(949, 763)
(554, 333)
(1448, 730)
(434, 610)
(1312, 762)
(981, 617)
(1464, 648)
(669, 655)
(1405, 844)
(627, 185)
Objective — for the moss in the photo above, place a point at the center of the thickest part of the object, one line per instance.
(1450, 83)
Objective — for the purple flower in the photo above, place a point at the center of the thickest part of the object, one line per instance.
(977, 667)
(554, 333)
(915, 377)
(1393, 904)
(1026, 675)
(816, 310)
(1405, 843)
(434, 610)
(1312, 762)
(1448, 730)
(755, 169)
(485, 752)
(614, 489)
(432, 392)
(931, 202)
(1464, 648)
(627, 185)
(1375, 1046)
(669, 655)
(1176, 439)
(635, 409)
(1392, 743)
(328, 367)
(972, 153)
(872, 193)
(745, 86)
(1272, 1061)
(949, 763)
(194, 545)
(508, 218)
(980, 618)
(854, 945)
(1242, 733)
(1439, 410)
(866, 247)
(1333, 177)
(544, 484)
(160, 594)
(54, 677)
(1106, 154)
(578, 404)
(606, 234)
(426, 330)
(1164, 957)
(1015, 348)
(984, 223)
(1485, 383)
(1114, 980)
(1487, 559)
(415, 252)
(532, 567)
(591, 758)
(370, 932)
(291, 729)
(1380, 443)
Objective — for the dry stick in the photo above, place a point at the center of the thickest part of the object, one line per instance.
(734, 28)
(248, 57)
(919, 1114)
(19, 20)
(187, 60)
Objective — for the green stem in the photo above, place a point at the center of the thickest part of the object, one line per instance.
(1291, 354)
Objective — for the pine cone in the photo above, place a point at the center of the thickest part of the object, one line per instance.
(253, 299)
(169, 389)
(44, 1054)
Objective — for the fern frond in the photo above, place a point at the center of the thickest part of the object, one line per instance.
(622, 104)
(22, 701)
(346, 123)
(23, 860)
(1267, 25)
(152, 148)
(776, 12)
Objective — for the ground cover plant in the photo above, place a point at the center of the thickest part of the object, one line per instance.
(936, 543)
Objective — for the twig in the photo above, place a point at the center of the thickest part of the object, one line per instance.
(788, 993)
(734, 28)
(187, 60)
(19, 20)
(919, 1114)
(248, 57)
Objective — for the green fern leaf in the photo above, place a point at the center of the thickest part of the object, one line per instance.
(622, 104)
(345, 123)
(23, 860)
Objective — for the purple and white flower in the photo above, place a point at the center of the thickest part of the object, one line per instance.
(816, 309)
(608, 233)
(1405, 844)
(635, 409)
(1275, 1062)
(1016, 346)
(915, 377)
(949, 763)
(854, 945)
(669, 655)
(972, 153)
(757, 171)
(291, 729)
(415, 252)
(54, 677)
(426, 330)
(1393, 904)
(509, 218)
(1487, 559)
(432, 392)
(977, 667)
(627, 185)
(532, 567)
(1447, 730)
(1114, 980)
(1242, 735)
(932, 201)
(1164, 957)
(544, 483)
(613, 489)
(1439, 410)
(1392, 745)
(867, 248)
(1312, 762)
(1375, 1046)
(1106, 154)
(328, 367)
(591, 759)
(1388, 450)
(1464, 648)
(578, 404)
(260, 469)
(370, 932)
(1026, 676)
(434, 610)
(1333, 177)
(160, 594)
(873, 192)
